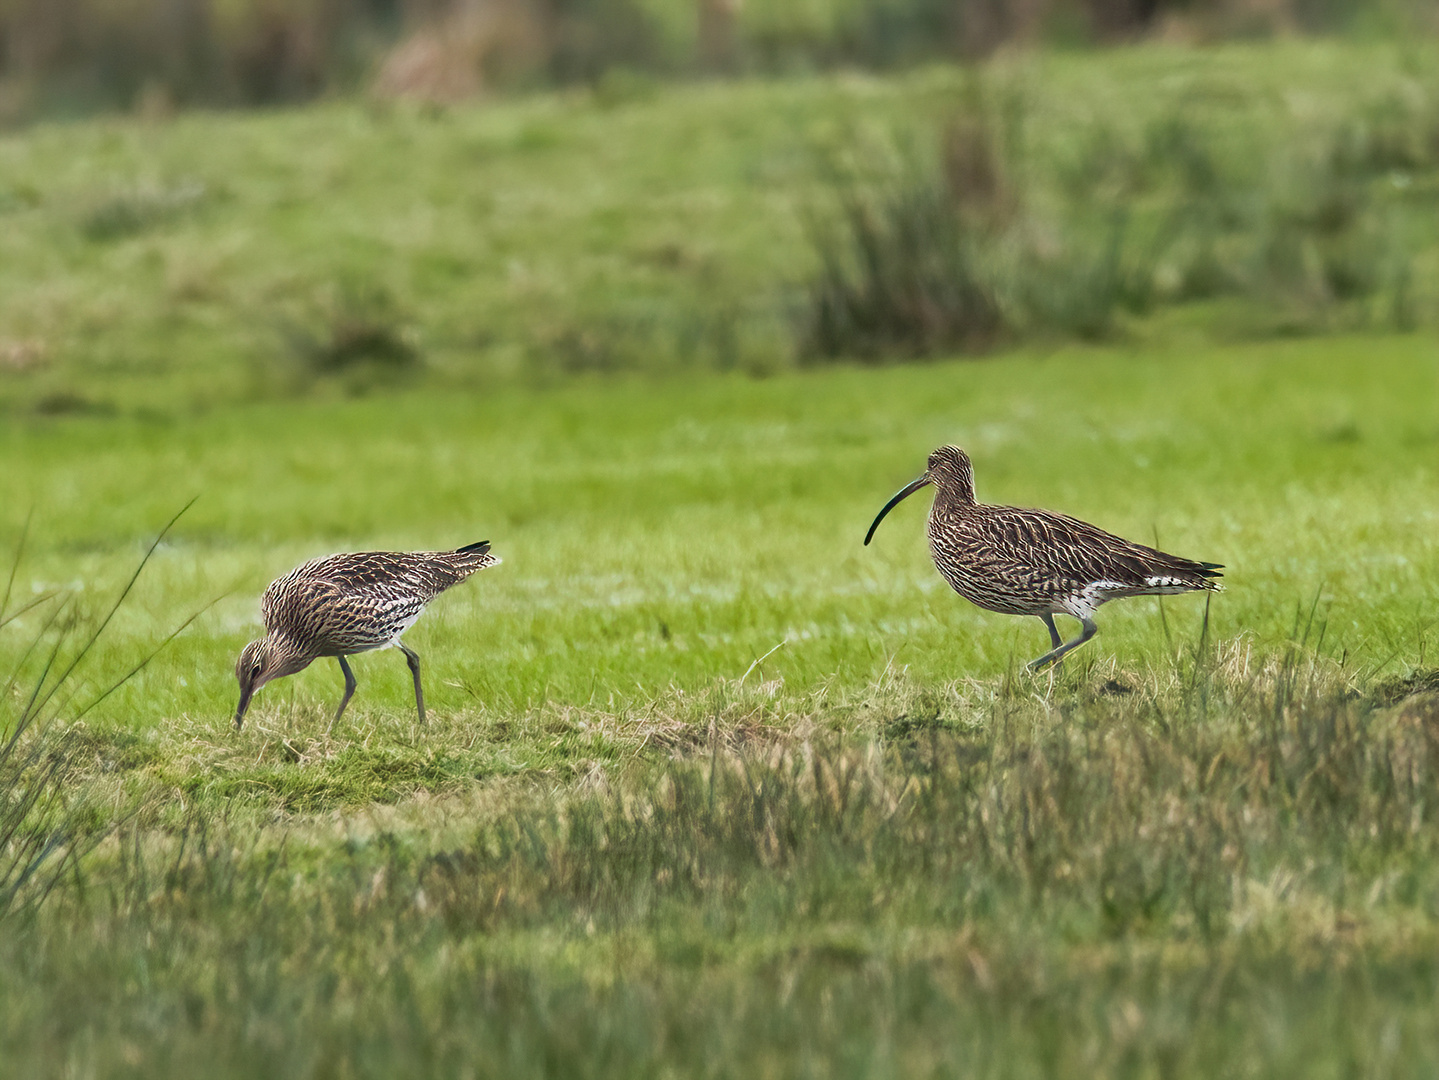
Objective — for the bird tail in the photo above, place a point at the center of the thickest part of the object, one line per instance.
(1168, 574)
(1184, 577)
(471, 557)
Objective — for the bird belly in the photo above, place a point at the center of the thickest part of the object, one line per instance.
(401, 627)
(347, 642)
(348, 646)
(993, 593)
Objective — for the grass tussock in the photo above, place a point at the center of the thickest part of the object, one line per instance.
(356, 332)
(916, 287)
(130, 213)
(1117, 868)
(953, 247)
(49, 817)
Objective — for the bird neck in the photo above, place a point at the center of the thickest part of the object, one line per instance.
(957, 494)
(287, 655)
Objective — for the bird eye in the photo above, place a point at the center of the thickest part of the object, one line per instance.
(255, 669)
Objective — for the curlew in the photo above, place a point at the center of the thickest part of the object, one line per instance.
(345, 604)
(1036, 562)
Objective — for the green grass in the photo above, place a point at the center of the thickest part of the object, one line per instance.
(709, 788)
(155, 266)
(664, 536)
(1231, 873)
(886, 850)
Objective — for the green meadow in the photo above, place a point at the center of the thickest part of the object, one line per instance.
(709, 788)
(658, 536)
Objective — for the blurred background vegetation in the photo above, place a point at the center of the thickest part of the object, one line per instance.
(1153, 193)
(75, 56)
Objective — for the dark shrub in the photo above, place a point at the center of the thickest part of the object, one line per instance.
(354, 329)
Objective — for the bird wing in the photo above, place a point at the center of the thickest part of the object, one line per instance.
(362, 600)
(1042, 545)
(424, 574)
(333, 616)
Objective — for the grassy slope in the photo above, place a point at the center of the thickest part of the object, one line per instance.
(153, 264)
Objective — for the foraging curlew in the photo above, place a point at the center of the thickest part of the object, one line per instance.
(344, 604)
(1036, 562)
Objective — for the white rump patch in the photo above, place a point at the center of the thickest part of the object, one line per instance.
(1082, 604)
(409, 622)
(1104, 586)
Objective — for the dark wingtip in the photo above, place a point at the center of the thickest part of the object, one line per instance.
(479, 548)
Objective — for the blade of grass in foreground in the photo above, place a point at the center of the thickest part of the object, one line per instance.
(43, 830)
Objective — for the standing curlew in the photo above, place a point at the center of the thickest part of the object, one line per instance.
(1037, 562)
(344, 604)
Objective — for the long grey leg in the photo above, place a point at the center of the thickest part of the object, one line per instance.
(1054, 639)
(413, 659)
(1056, 654)
(349, 688)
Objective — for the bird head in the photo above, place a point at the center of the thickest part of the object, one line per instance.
(259, 663)
(949, 470)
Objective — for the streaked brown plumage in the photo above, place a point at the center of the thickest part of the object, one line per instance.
(344, 604)
(1036, 562)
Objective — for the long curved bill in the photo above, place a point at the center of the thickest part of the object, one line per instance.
(900, 495)
(245, 694)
